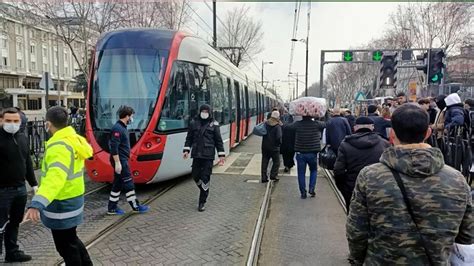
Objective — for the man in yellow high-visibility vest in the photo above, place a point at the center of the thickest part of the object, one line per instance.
(60, 197)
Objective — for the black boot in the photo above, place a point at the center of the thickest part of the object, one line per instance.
(201, 207)
(18, 256)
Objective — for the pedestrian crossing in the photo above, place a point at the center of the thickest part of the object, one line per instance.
(247, 164)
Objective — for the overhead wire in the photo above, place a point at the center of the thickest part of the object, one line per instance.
(243, 49)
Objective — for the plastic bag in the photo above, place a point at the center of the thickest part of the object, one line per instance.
(462, 255)
(308, 106)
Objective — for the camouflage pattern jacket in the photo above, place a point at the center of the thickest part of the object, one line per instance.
(379, 228)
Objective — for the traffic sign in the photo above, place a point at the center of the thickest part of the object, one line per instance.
(377, 55)
(347, 56)
(42, 83)
(360, 96)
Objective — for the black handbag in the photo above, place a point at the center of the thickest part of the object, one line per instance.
(327, 158)
(401, 186)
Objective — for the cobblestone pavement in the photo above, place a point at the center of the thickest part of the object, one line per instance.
(36, 240)
(304, 231)
(175, 233)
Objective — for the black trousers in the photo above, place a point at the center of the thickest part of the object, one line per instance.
(12, 207)
(123, 182)
(288, 158)
(266, 156)
(201, 173)
(70, 247)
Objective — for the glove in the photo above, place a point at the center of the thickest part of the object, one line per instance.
(118, 167)
(35, 189)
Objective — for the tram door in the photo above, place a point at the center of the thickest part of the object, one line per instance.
(247, 111)
(239, 112)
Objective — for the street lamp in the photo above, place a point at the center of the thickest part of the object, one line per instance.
(290, 74)
(306, 73)
(263, 64)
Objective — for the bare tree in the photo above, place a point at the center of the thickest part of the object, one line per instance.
(242, 36)
(424, 25)
(172, 14)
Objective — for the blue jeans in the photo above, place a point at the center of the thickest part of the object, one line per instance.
(310, 159)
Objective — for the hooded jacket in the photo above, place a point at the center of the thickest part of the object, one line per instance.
(60, 196)
(15, 160)
(272, 140)
(356, 152)
(455, 111)
(379, 228)
(204, 137)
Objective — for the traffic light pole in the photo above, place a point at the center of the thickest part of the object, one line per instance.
(323, 62)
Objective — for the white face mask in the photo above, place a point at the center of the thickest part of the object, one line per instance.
(130, 120)
(204, 115)
(11, 128)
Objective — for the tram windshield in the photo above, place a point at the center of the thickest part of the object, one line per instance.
(126, 76)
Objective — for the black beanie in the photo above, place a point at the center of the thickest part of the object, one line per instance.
(371, 109)
(205, 107)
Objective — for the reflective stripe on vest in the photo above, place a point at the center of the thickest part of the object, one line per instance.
(63, 215)
(70, 171)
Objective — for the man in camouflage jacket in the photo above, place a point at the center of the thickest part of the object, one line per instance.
(380, 230)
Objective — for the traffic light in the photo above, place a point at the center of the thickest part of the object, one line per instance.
(388, 70)
(436, 66)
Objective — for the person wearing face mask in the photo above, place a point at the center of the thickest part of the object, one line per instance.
(16, 165)
(203, 139)
(119, 155)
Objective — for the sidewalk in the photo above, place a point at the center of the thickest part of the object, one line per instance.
(304, 231)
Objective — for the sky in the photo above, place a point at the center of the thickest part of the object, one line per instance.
(332, 26)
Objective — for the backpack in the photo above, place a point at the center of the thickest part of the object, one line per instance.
(260, 130)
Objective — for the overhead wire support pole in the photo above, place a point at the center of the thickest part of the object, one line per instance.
(214, 23)
(307, 50)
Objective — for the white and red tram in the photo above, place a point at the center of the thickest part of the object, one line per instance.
(165, 76)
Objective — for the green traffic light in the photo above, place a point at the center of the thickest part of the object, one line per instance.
(436, 77)
(348, 56)
(377, 55)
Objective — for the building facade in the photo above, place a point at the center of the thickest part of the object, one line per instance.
(460, 68)
(26, 52)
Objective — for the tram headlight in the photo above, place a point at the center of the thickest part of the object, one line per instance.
(148, 145)
(136, 173)
(94, 172)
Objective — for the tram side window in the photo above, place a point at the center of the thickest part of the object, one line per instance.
(175, 113)
(232, 102)
(199, 92)
(217, 88)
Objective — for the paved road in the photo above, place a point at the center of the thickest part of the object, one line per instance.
(304, 231)
(175, 233)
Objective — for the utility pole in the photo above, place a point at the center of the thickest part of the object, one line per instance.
(307, 50)
(214, 16)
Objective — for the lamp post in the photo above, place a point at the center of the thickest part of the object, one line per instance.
(263, 64)
(306, 72)
(290, 74)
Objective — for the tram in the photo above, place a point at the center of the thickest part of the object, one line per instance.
(165, 76)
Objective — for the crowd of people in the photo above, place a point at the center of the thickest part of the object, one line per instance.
(405, 204)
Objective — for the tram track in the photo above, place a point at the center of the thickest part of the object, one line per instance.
(108, 230)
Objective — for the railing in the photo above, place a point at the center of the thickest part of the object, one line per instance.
(37, 136)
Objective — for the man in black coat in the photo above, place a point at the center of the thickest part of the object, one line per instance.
(357, 151)
(16, 166)
(203, 139)
(380, 124)
(271, 147)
